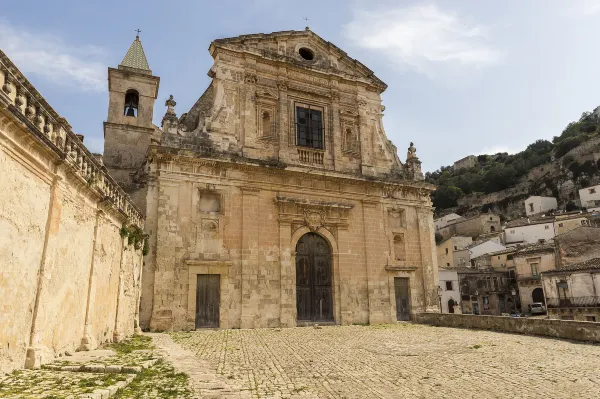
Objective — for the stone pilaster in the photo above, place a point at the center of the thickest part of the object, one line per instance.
(249, 277)
(36, 352)
(287, 276)
(88, 341)
(428, 259)
(119, 335)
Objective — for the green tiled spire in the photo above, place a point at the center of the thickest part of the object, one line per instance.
(135, 57)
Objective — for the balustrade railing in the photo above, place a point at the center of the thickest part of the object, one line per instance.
(310, 156)
(20, 98)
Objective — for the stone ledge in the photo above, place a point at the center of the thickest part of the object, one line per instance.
(566, 329)
(391, 268)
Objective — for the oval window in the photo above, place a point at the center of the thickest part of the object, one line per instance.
(307, 54)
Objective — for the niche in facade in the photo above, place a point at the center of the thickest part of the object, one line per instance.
(396, 219)
(209, 202)
(399, 247)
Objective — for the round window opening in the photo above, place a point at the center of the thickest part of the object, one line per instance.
(307, 54)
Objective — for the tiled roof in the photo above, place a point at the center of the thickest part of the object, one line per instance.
(135, 57)
(529, 221)
(547, 246)
(589, 264)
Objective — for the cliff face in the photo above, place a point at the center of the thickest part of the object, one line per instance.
(557, 169)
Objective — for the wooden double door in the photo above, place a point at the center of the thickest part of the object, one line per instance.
(208, 298)
(313, 279)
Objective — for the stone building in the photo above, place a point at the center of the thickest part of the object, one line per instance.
(530, 262)
(573, 291)
(453, 252)
(277, 199)
(474, 226)
(465, 163)
(487, 291)
(70, 276)
(535, 205)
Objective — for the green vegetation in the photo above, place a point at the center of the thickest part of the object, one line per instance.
(134, 343)
(158, 381)
(501, 171)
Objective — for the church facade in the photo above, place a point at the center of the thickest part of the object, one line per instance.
(277, 199)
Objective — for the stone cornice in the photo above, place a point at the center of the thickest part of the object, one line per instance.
(155, 154)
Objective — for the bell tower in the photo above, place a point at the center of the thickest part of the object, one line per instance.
(128, 128)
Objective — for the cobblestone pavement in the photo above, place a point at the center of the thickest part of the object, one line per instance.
(395, 361)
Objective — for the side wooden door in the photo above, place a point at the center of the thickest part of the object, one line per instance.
(208, 297)
(402, 299)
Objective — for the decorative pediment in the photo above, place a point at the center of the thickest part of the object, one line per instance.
(266, 94)
(324, 56)
(313, 214)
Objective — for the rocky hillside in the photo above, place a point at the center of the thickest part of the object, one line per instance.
(501, 182)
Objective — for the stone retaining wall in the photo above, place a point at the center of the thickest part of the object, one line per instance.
(69, 278)
(577, 330)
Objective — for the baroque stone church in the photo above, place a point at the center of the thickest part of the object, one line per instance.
(277, 200)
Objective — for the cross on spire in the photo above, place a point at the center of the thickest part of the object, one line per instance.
(138, 32)
(306, 19)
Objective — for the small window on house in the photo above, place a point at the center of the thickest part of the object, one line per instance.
(455, 248)
(560, 225)
(534, 269)
(530, 207)
(449, 286)
(447, 264)
(446, 251)
(509, 257)
(266, 124)
(492, 229)
(132, 99)
(590, 318)
(491, 218)
(592, 191)
(306, 53)
(546, 227)
(309, 127)
(512, 232)
(399, 248)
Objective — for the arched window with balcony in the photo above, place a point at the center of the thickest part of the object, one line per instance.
(132, 100)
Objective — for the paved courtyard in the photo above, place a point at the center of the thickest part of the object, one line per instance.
(393, 361)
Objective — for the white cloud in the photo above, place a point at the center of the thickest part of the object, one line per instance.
(51, 58)
(587, 7)
(423, 38)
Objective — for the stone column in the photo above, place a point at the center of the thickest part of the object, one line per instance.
(428, 258)
(287, 286)
(35, 351)
(249, 251)
(87, 341)
(341, 275)
(138, 328)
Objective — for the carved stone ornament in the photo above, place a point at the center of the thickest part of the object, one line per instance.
(314, 219)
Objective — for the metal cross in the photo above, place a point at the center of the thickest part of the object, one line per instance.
(306, 19)
(138, 32)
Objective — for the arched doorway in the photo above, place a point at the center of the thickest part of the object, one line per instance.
(313, 279)
(450, 305)
(537, 295)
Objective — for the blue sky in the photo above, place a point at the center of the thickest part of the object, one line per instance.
(465, 77)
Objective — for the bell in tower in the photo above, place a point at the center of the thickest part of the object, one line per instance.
(131, 103)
